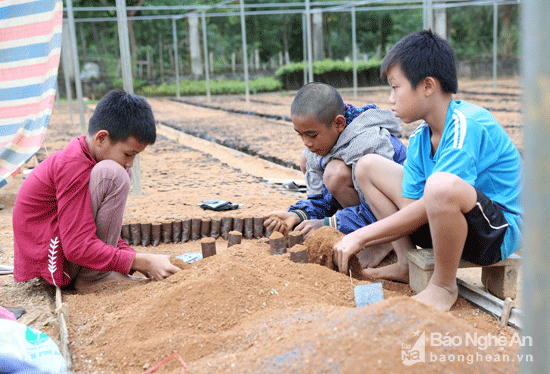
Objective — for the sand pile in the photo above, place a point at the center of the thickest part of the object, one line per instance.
(195, 311)
(245, 310)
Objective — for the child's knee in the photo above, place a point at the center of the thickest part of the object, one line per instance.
(444, 188)
(337, 174)
(365, 165)
(112, 171)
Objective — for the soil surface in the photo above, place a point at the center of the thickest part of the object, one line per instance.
(244, 310)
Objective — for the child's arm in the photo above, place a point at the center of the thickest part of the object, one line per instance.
(398, 225)
(125, 246)
(154, 266)
(285, 222)
(316, 206)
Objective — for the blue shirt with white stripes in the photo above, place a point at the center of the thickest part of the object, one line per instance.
(476, 148)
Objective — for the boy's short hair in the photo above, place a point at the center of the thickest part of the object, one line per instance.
(423, 54)
(319, 100)
(122, 115)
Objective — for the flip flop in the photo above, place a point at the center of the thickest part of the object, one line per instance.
(292, 186)
(5, 269)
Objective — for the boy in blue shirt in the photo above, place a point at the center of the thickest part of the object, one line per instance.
(460, 185)
(336, 136)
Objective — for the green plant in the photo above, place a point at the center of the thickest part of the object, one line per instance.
(328, 65)
(217, 87)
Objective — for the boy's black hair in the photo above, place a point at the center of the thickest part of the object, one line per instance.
(423, 54)
(122, 115)
(319, 100)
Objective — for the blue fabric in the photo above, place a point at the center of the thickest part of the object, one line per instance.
(476, 148)
(400, 149)
(354, 217)
(347, 219)
(318, 206)
(351, 112)
(10, 365)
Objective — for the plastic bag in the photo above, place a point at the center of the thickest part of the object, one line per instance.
(30, 345)
(218, 205)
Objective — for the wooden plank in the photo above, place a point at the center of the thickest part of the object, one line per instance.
(424, 259)
(61, 309)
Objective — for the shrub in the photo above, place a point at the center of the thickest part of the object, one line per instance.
(217, 87)
(327, 66)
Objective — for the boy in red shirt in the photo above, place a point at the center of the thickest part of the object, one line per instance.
(68, 213)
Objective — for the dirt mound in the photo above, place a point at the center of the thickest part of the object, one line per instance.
(370, 339)
(194, 311)
(244, 310)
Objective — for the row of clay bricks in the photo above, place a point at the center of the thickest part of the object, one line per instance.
(277, 242)
(180, 231)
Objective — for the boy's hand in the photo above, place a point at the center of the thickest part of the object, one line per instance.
(154, 266)
(344, 249)
(272, 224)
(307, 227)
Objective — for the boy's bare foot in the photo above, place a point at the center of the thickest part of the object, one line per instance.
(396, 272)
(371, 257)
(438, 297)
(90, 279)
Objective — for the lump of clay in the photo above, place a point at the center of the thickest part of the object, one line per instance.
(320, 246)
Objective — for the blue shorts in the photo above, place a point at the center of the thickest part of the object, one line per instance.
(486, 229)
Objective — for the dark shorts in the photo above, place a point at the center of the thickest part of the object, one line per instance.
(486, 229)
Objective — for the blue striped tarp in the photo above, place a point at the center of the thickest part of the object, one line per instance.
(30, 49)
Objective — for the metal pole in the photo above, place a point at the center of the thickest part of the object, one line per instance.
(206, 69)
(176, 57)
(495, 43)
(309, 42)
(74, 52)
(245, 54)
(535, 68)
(427, 14)
(354, 49)
(124, 41)
(304, 45)
(127, 81)
(424, 16)
(68, 88)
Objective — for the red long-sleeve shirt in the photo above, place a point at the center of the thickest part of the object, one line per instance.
(53, 221)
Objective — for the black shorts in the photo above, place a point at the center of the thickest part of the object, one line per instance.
(486, 229)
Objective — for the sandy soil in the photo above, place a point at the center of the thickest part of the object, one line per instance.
(244, 310)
